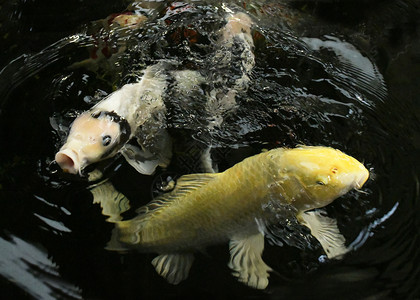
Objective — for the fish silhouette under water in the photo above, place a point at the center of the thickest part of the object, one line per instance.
(207, 209)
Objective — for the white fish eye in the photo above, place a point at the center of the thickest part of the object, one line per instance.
(106, 140)
(320, 183)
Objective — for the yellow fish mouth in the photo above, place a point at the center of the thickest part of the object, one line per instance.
(362, 179)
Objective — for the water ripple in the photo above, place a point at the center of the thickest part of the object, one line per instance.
(30, 268)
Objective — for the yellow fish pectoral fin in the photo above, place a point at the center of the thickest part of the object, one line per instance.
(325, 230)
(173, 267)
(246, 261)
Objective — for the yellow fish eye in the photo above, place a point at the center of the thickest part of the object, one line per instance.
(322, 180)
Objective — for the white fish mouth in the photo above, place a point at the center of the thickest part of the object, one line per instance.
(67, 159)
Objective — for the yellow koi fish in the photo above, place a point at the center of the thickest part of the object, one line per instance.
(207, 209)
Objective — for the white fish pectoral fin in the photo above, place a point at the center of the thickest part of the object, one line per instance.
(140, 160)
(325, 230)
(246, 261)
(161, 146)
(95, 175)
(173, 267)
(147, 167)
(113, 203)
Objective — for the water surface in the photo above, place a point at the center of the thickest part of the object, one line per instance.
(325, 74)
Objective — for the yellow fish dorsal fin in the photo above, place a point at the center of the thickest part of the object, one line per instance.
(194, 181)
(185, 185)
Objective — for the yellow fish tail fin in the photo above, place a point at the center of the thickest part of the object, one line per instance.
(125, 233)
(114, 243)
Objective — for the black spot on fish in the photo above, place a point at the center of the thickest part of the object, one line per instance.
(125, 129)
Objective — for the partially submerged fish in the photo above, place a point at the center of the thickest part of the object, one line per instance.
(231, 67)
(134, 111)
(233, 63)
(206, 209)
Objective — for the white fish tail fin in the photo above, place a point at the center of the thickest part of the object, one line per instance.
(325, 230)
(238, 28)
(232, 63)
(237, 24)
(173, 267)
(246, 261)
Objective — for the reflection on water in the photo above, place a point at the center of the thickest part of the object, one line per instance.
(325, 73)
(30, 268)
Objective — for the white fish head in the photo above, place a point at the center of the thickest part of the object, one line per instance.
(94, 136)
(323, 174)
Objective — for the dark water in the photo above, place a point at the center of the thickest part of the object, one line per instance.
(341, 74)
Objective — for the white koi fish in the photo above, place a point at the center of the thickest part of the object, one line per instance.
(212, 208)
(134, 111)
